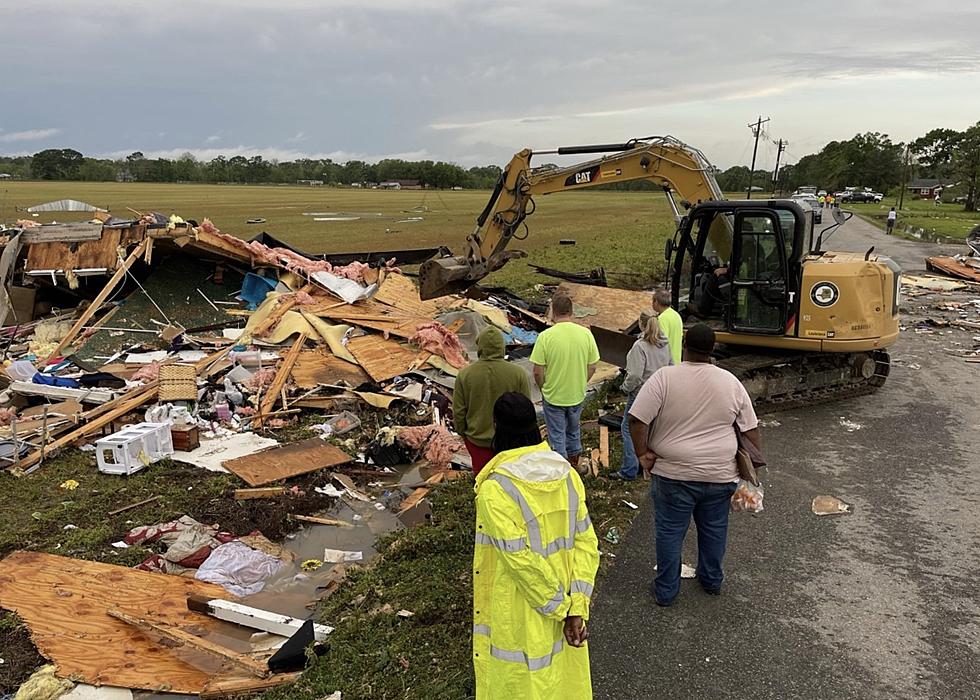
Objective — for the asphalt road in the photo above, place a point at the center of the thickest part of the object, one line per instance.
(881, 603)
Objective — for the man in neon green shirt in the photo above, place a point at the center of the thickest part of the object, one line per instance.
(670, 323)
(564, 359)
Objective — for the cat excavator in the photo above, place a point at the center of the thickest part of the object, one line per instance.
(796, 323)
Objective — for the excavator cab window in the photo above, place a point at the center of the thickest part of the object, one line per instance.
(758, 274)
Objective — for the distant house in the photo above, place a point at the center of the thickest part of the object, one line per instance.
(125, 176)
(4, 176)
(928, 188)
(311, 183)
(400, 185)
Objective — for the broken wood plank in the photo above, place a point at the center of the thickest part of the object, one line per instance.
(319, 366)
(320, 521)
(604, 446)
(279, 382)
(185, 639)
(97, 302)
(283, 462)
(145, 501)
(381, 359)
(252, 494)
(420, 493)
(254, 618)
(233, 687)
(64, 601)
(606, 307)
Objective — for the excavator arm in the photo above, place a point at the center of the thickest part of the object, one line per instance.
(678, 168)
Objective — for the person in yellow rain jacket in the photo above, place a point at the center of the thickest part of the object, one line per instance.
(534, 566)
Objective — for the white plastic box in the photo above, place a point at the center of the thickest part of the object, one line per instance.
(132, 448)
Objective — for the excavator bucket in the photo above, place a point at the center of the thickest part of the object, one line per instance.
(441, 276)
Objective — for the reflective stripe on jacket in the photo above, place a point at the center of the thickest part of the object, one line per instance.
(534, 564)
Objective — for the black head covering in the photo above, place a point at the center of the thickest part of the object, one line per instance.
(700, 339)
(515, 422)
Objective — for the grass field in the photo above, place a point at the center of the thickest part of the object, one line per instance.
(936, 223)
(623, 232)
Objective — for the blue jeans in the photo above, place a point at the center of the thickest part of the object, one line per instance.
(631, 463)
(675, 502)
(564, 428)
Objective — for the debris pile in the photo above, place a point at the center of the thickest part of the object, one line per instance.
(297, 374)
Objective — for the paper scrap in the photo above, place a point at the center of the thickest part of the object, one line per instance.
(338, 556)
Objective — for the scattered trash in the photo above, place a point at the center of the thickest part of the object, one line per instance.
(311, 565)
(69, 485)
(337, 556)
(829, 505)
(849, 425)
(686, 571)
(612, 535)
(630, 504)
(769, 423)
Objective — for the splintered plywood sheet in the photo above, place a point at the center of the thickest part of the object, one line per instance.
(615, 309)
(380, 358)
(283, 462)
(96, 254)
(399, 291)
(315, 367)
(379, 317)
(64, 602)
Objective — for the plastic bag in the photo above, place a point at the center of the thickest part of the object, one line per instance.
(747, 498)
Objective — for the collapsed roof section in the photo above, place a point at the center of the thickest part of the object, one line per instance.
(63, 205)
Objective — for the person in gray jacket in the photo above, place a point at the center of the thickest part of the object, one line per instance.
(648, 354)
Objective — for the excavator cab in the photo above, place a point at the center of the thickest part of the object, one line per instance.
(736, 265)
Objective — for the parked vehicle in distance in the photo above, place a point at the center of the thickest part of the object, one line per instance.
(814, 204)
(822, 193)
(805, 189)
(858, 196)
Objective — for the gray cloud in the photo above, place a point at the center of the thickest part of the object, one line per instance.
(27, 135)
(474, 82)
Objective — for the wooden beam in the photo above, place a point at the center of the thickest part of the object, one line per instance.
(252, 494)
(604, 446)
(102, 296)
(320, 521)
(185, 639)
(279, 310)
(144, 502)
(236, 687)
(279, 382)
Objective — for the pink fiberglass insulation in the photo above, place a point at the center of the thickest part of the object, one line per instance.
(7, 415)
(291, 260)
(439, 340)
(438, 445)
(149, 373)
(261, 379)
(304, 299)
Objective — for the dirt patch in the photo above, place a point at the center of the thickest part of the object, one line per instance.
(20, 657)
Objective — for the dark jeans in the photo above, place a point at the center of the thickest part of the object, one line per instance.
(675, 503)
(564, 428)
(631, 463)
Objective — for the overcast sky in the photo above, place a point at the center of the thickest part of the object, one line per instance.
(474, 81)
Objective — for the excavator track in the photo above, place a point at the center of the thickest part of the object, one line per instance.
(779, 381)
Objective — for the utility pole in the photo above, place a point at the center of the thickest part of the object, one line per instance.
(905, 179)
(756, 130)
(780, 147)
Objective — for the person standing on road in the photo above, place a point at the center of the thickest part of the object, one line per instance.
(691, 454)
(890, 221)
(823, 201)
(830, 200)
(478, 386)
(534, 566)
(564, 359)
(648, 354)
(671, 325)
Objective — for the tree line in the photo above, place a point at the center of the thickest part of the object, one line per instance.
(69, 164)
(873, 160)
(866, 160)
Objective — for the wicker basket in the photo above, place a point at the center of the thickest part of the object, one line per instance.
(178, 383)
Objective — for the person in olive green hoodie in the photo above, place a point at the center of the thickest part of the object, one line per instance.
(478, 386)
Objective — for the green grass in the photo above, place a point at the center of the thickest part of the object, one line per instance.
(373, 654)
(937, 223)
(620, 231)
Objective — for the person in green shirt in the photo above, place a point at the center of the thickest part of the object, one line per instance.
(477, 388)
(670, 323)
(564, 358)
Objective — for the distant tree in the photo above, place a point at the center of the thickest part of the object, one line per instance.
(934, 152)
(56, 164)
(966, 164)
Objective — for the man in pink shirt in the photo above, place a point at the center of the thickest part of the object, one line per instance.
(694, 408)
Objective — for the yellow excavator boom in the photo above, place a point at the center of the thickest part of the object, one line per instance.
(680, 169)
